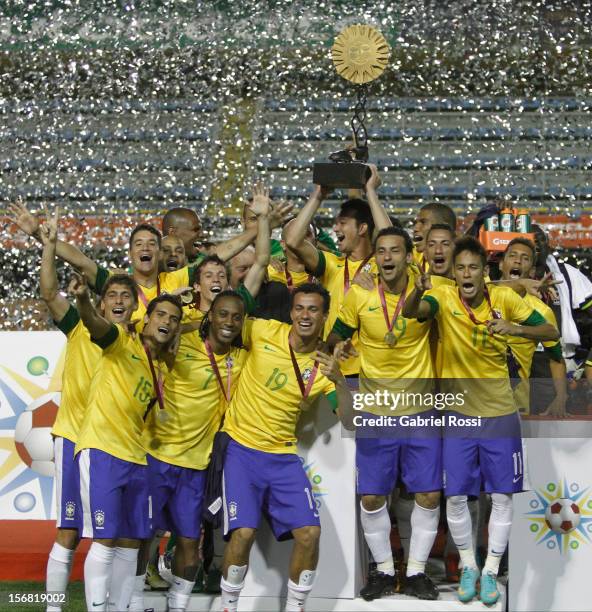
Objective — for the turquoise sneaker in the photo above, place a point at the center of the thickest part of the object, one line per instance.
(489, 593)
(467, 589)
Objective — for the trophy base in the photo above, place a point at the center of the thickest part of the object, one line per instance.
(351, 175)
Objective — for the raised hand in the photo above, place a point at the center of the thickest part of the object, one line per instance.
(344, 350)
(280, 213)
(364, 279)
(261, 201)
(423, 282)
(25, 220)
(78, 286)
(48, 232)
(374, 182)
(329, 366)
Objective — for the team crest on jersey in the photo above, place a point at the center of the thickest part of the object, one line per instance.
(99, 519)
(232, 509)
(306, 374)
(497, 312)
(70, 510)
(229, 363)
(367, 267)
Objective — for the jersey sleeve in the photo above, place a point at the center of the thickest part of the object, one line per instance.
(519, 311)
(112, 340)
(434, 297)
(249, 300)
(276, 249)
(348, 319)
(330, 392)
(549, 316)
(102, 276)
(326, 267)
(192, 268)
(69, 321)
(254, 329)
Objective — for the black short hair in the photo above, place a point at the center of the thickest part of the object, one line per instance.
(206, 260)
(395, 231)
(524, 241)
(312, 288)
(360, 211)
(146, 227)
(472, 245)
(175, 300)
(204, 328)
(173, 215)
(441, 226)
(120, 279)
(442, 213)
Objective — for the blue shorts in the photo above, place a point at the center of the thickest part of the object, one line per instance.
(114, 495)
(491, 460)
(177, 497)
(276, 485)
(412, 454)
(67, 481)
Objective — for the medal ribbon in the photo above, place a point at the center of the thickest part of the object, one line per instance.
(212, 358)
(157, 381)
(346, 272)
(142, 295)
(290, 280)
(470, 312)
(304, 390)
(390, 324)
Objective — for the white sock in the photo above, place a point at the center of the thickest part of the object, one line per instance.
(97, 575)
(500, 523)
(424, 528)
(123, 577)
(137, 600)
(459, 523)
(58, 572)
(297, 593)
(231, 587)
(377, 530)
(178, 594)
(403, 508)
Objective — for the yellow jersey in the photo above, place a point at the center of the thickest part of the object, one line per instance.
(167, 283)
(192, 313)
(524, 350)
(120, 394)
(264, 410)
(194, 403)
(82, 356)
(473, 361)
(403, 368)
(331, 271)
(288, 277)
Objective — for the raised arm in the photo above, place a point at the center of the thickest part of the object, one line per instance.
(97, 325)
(261, 207)
(415, 307)
(296, 232)
(58, 305)
(379, 214)
(227, 250)
(29, 224)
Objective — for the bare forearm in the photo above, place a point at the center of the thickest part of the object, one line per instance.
(256, 275)
(76, 258)
(379, 214)
(48, 280)
(296, 232)
(540, 333)
(414, 308)
(96, 325)
(227, 250)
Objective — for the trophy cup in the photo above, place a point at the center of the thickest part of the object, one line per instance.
(360, 54)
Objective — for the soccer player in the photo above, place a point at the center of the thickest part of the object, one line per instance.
(172, 254)
(284, 371)
(475, 322)
(184, 224)
(117, 303)
(394, 357)
(517, 263)
(200, 384)
(439, 245)
(109, 449)
(354, 228)
(427, 216)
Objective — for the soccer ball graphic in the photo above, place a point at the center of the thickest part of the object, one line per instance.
(32, 437)
(562, 515)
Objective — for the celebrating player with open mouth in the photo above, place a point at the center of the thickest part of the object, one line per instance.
(474, 323)
(284, 370)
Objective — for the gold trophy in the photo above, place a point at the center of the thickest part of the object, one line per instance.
(360, 55)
